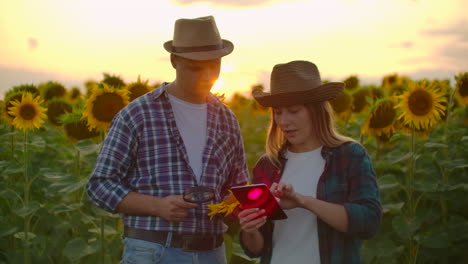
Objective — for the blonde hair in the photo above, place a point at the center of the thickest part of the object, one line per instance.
(323, 127)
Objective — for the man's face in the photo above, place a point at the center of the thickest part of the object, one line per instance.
(197, 76)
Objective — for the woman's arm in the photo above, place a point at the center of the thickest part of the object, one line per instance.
(251, 237)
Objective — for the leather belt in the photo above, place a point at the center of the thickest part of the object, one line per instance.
(187, 242)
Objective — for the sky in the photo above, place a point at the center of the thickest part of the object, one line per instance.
(75, 41)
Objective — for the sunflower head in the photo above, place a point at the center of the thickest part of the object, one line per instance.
(389, 80)
(103, 105)
(112, 81)
(342, 103)
(9, 99)
(421, 106)
(381, 118)
(359, 99)
(24, 88)
(90, 85)
(225, 207)
(462, 88)
(75, 94)
(352, 82)
(75, 127)
(56, 108)
(28, 113)
(376, 93)
(52, 89)
(138, 89)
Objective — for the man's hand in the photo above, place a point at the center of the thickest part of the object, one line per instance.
(288, 197)
(173, 208)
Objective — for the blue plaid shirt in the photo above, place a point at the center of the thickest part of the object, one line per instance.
(143, 152)
(348, 179)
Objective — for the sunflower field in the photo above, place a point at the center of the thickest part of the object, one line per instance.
(416, 132)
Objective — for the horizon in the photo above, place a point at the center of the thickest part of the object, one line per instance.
(417, 39)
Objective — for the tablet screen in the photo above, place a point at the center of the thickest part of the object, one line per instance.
(259, 196)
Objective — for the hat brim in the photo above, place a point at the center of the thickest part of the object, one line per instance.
(325, 92)
(228, 47)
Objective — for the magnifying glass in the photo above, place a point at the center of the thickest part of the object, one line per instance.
(199, 194)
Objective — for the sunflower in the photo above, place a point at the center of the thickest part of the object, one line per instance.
(24, 88)
(381, 118)
(352, 82)
(103, 105)
(225, 207)
(75, 127)
(55, 108)
(342, 103)
(359, 99)
(75, 94)
(421, 106)
(52, 89)
(27, 113)
(138, 89)
(462, 88)
(112, 81)
(9, 99)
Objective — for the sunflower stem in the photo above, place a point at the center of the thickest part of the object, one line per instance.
(413, 246)
(27, 257)
(445, 175)
(103, 245)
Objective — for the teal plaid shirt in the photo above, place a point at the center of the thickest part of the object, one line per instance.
(348, 179)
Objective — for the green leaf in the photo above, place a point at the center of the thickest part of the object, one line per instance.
(388, 182)
(394, 207)
(22, 236)
(29, 210)
(5, 230)
(228, 247)
(77, 249)
(108, 230)
(9, 194)
(73, 186)
(434, 145)
(436, 237)
(405, 227)
(87, 147)
(61, 208)
(38, 143)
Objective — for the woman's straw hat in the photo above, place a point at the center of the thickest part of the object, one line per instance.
(297, 82)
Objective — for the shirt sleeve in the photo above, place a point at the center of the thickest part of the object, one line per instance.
(105, 188)
(363, 208)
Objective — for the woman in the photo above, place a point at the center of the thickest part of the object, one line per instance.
(324, 180)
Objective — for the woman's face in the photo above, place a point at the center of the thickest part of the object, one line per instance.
(296, 123)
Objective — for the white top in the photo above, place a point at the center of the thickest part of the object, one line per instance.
(191, 122)
(295, 239)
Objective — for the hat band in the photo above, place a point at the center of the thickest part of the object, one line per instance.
(197, 49)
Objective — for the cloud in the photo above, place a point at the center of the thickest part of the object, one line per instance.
(458, 30)
(232, 3)
(32, 43)
(10, 77)
(455, 51)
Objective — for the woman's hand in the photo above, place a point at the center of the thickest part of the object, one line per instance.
(288, 197)
(250, 221)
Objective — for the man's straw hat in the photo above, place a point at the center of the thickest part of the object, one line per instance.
(198, 39)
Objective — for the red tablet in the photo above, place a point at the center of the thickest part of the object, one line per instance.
(259, 196)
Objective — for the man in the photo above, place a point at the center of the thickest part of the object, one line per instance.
(178, 138)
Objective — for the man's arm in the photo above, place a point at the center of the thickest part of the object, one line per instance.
(172, 208)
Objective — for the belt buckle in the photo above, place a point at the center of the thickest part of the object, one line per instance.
(187, 242)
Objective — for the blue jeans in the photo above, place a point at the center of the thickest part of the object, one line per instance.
(145, 252)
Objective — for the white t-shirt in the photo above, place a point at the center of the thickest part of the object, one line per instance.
(295, 239)
(191, 122)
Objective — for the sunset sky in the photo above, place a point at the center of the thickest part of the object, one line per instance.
(74, 41)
